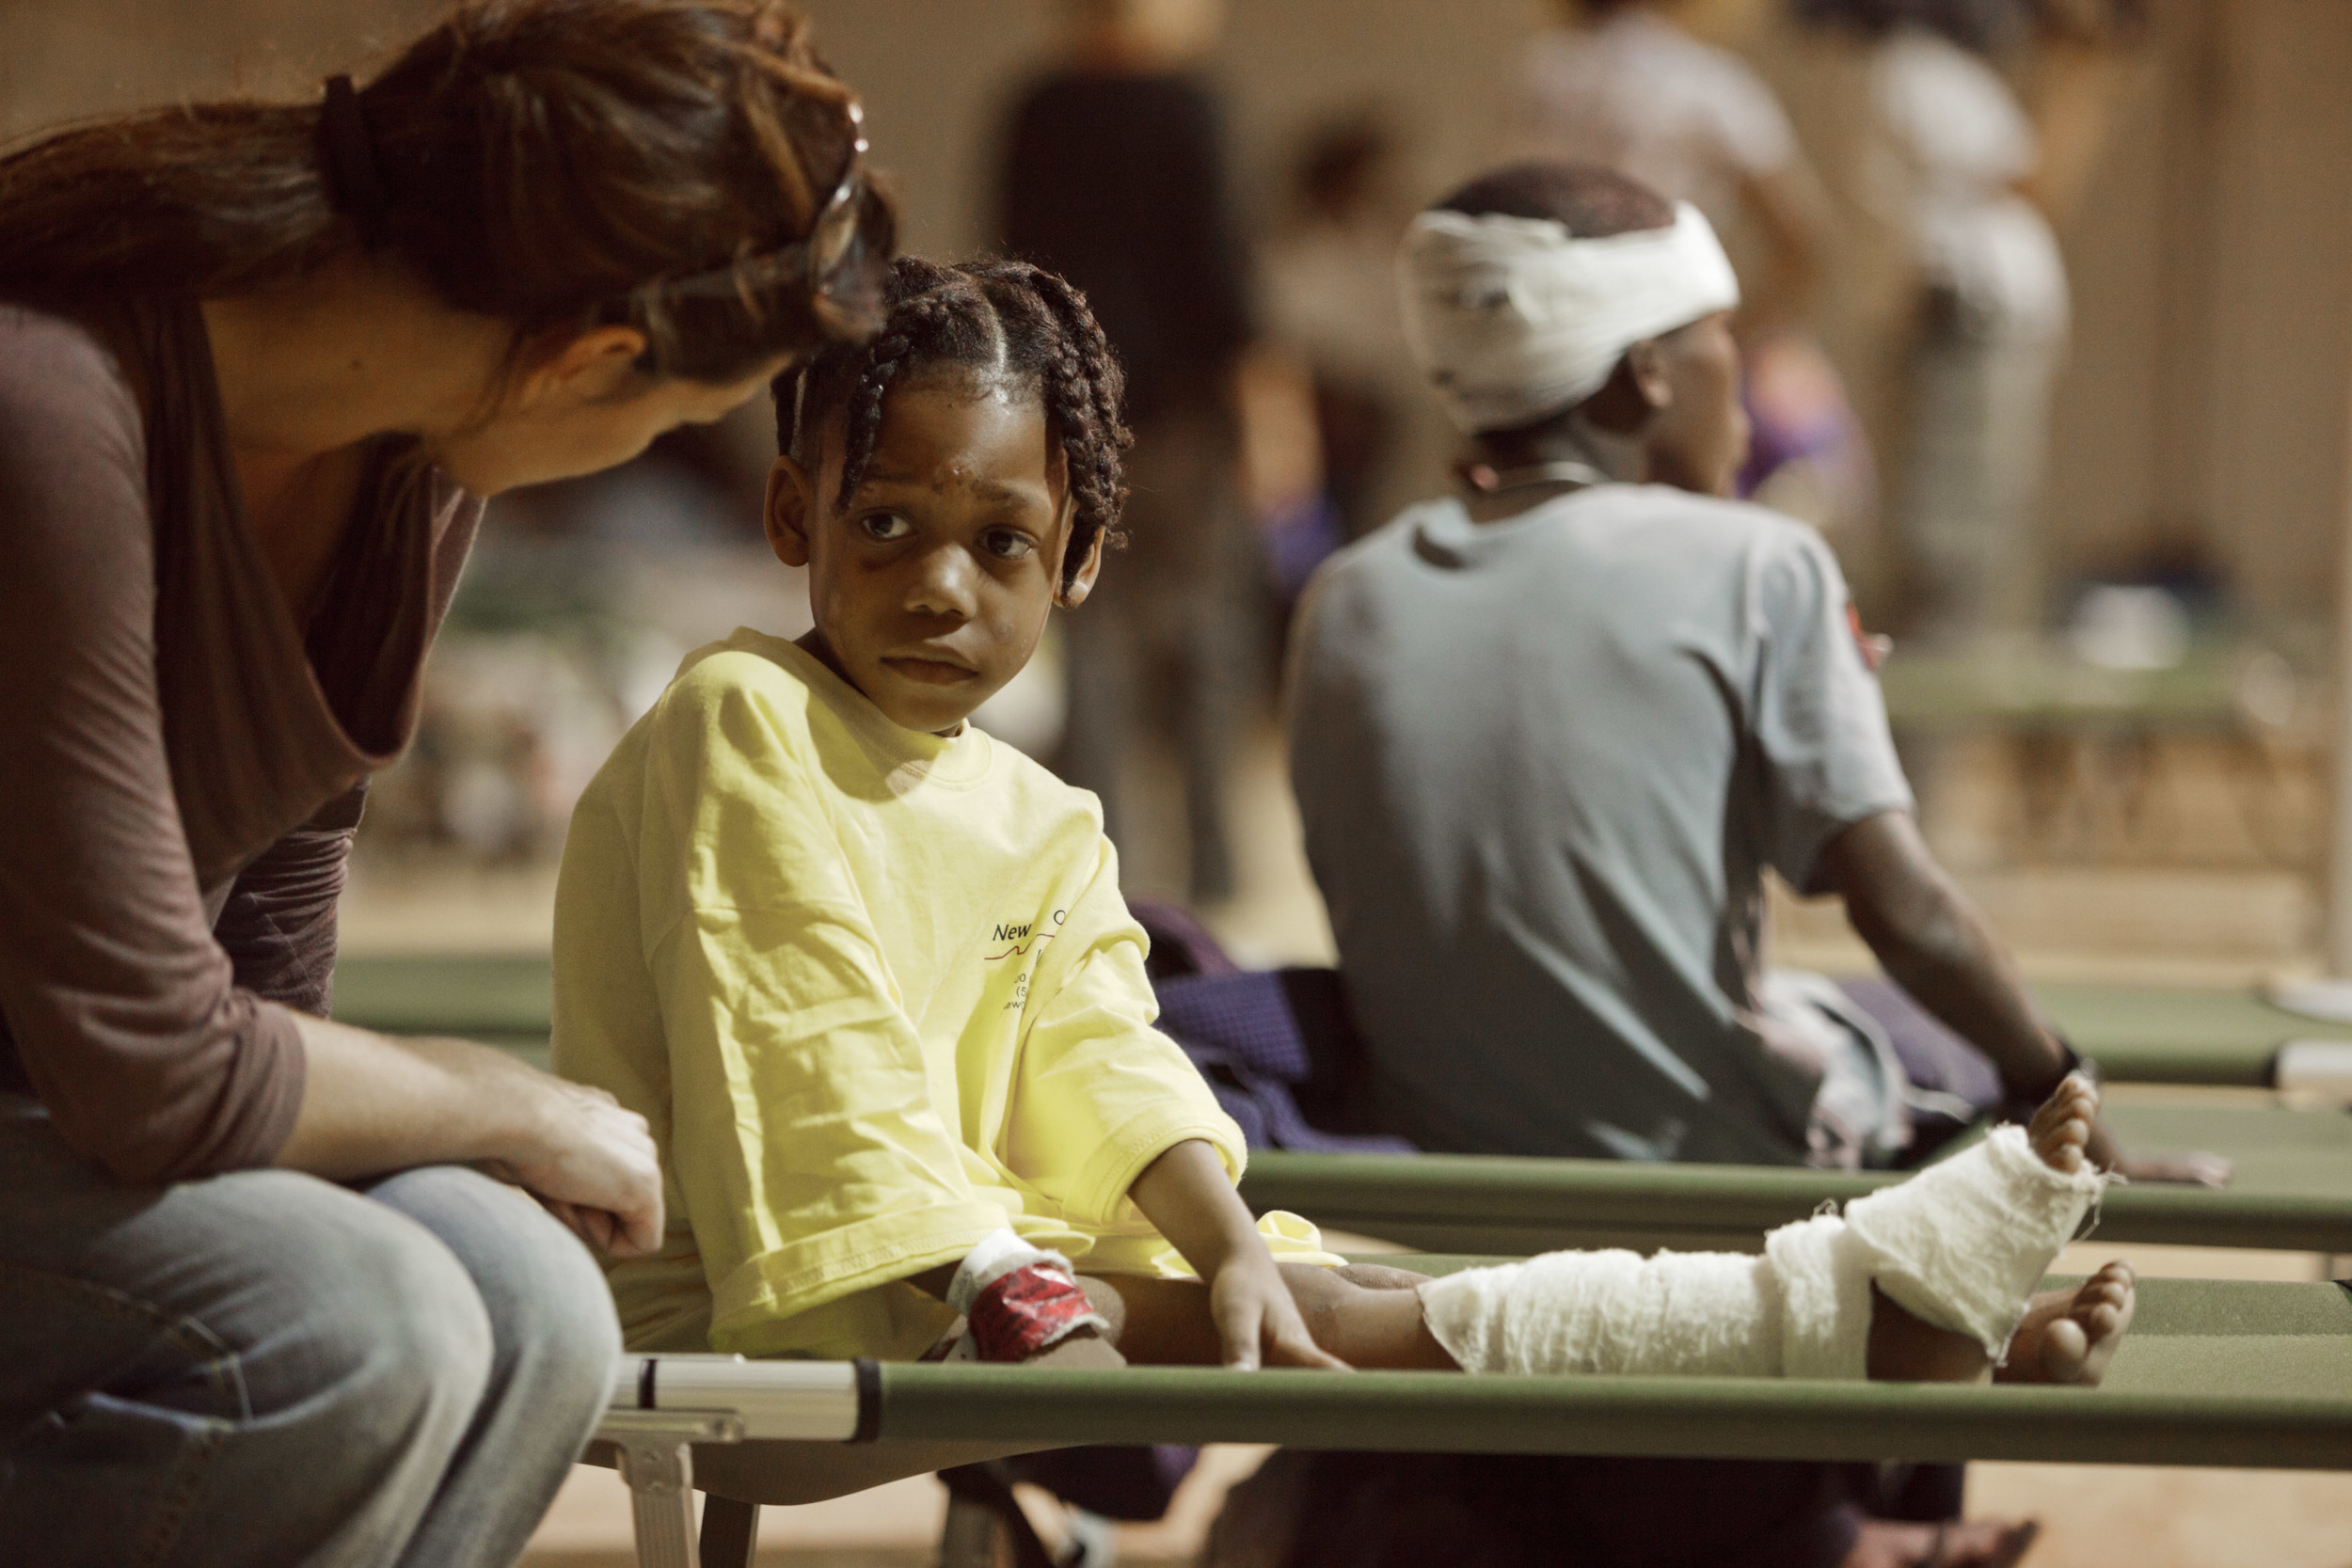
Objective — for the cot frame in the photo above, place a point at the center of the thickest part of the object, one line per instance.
(1691, 1417)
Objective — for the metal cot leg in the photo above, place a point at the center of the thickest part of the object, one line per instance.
(730, 1532)
(659, 1469)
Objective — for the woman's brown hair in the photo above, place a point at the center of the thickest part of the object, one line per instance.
(560, 165)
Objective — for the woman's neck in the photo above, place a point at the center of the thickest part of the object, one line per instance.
(357, 349)
(310, 373)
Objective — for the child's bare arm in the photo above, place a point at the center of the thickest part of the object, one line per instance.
(1189, 1198)
(1936, 945)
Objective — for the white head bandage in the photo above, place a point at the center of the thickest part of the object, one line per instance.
(1513, 320)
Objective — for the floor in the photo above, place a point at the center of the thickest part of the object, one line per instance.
(2220, 917)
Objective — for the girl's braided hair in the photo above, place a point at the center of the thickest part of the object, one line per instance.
(1008, 321)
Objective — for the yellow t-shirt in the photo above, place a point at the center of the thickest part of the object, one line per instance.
(878, 994)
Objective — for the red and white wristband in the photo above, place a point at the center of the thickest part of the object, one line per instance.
(1016, 1300)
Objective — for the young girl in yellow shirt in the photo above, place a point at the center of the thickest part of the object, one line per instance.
(868, 974)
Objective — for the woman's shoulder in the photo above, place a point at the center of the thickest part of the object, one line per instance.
(73, 458)
(57, 370)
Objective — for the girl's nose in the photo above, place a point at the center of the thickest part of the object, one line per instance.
(943, 584)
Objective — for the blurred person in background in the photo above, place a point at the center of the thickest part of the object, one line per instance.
(1962, 169)
(1549, 734)
(1114, 176)
(272, 1288)
(1329, 276)
(1630, 85)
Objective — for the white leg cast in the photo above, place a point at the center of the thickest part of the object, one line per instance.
(1960, 1246)
(1698, 1313)
(1824, 1279)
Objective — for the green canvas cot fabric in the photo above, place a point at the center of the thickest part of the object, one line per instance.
(2292, 1192)
(2137, 1034)
(2214, 1373)
(2178, 1033)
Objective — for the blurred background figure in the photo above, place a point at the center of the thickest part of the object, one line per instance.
(1114, 175)
(1329, 275)
(1632, 85)
(1956, 162)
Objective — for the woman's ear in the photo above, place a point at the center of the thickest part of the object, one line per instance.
(588, 367)
(790, 513)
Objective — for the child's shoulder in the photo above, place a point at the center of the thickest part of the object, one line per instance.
(746, 676)
(744, 663)
(1038, 786)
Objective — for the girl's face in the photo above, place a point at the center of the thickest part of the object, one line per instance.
(932, 587)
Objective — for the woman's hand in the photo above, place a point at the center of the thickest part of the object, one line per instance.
(1187, 1196)
(372, 1103)
(594, 1168)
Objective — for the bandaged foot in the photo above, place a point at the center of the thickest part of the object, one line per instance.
(1959, 1247)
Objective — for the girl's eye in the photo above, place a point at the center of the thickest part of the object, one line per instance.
(1007, 545)
(885, 526)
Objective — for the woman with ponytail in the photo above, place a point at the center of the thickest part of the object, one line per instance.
(258, 365)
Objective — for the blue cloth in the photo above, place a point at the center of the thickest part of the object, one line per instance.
(1240, 1030)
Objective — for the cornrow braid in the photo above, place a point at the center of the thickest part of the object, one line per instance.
(1007, 320)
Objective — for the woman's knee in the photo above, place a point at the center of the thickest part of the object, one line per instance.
(359, 1316)
(548, 1307)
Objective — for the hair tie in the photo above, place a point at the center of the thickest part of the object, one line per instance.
(355, 181)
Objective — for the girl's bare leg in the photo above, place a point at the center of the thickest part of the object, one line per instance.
(1365, 1315)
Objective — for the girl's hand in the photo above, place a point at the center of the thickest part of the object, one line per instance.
(1187, 1196)
(1256, 1317)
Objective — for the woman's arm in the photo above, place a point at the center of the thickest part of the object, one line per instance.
(278, 927)
(1189, 1198)
(373, 1103)
(123, 1010)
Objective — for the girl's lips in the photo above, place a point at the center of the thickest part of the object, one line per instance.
(931, 671)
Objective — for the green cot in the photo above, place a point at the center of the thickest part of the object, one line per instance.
(2216, 1373)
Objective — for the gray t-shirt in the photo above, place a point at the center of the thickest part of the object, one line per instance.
(1543, 764)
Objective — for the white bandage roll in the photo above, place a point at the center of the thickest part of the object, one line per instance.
(1963, 1244)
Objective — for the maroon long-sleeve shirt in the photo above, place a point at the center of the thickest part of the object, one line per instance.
(181, 763)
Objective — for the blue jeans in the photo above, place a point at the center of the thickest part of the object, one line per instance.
(267, 1369)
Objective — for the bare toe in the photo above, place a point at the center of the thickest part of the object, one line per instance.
(2061, 1128)
(2077, 1347)
(2065, 1346)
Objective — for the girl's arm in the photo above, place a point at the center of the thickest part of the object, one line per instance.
(1189, 1198)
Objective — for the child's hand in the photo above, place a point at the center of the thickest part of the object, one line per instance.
(1256, 1316)
(1187, 1196)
